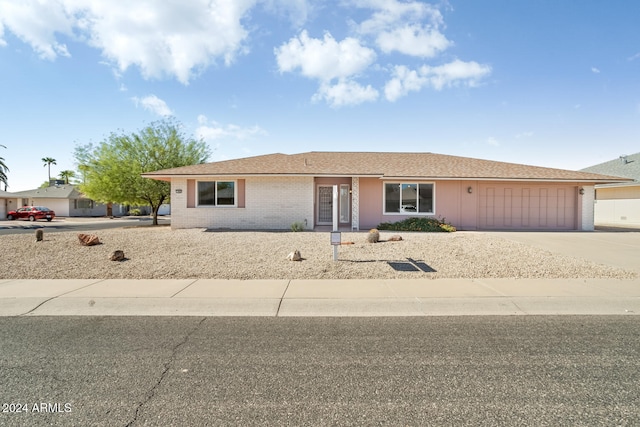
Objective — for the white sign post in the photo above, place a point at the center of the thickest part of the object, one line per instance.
(336, 240)
(335, 224)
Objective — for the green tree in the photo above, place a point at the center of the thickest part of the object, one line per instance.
(3, 171)
(112, 169)
(66, 175)
(48, 161)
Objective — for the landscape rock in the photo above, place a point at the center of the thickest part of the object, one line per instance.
(294, 256)
(117, 256)
(395, 238)
(88, 239)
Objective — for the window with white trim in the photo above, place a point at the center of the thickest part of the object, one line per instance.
(216, 193)
(409, 198)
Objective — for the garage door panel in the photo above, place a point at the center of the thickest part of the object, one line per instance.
(505, 206)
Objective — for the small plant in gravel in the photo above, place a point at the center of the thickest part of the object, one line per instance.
(373, 236)
(297, 226)
(418, 224)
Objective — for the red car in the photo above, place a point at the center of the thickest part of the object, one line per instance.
(32, 213)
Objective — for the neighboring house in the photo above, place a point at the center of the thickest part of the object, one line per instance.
(64, 199)
(4, 204)
(618, 203)
(273, 191)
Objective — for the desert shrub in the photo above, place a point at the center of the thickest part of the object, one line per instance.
(135, 212)
(373, 236)
(418, 224)
(297, 226)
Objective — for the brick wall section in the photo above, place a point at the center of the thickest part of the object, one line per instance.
(271, 203)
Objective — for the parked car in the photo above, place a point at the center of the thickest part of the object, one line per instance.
(32, 213)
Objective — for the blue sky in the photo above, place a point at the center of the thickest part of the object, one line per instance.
(544, 82)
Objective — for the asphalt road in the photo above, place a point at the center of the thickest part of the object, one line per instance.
(193, 371)
(78, 225)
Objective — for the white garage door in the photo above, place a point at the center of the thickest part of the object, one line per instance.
(527, 207)
(59, 206)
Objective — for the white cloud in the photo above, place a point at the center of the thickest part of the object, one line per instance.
(181, 39)
(154, 104)
(161, 38)
(455, 73)
(404, 81)
(211, 130)
(595, 70)
(493, 142)
(411, 28)
(344, 93)
(391, 13)
(413, 40)
(296, 11)
(324, 59)
(634, 57)
(36, 23)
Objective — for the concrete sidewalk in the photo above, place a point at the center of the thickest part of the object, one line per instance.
(204, 297)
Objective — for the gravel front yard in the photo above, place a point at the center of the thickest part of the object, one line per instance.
(160, 253)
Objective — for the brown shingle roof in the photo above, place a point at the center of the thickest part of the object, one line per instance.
(392, 165)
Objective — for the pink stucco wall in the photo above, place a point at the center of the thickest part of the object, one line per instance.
(453, 202)
(467, 205)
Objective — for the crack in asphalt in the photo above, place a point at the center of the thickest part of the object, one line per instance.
(167, 366)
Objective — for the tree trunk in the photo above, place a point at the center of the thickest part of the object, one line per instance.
(155, 214)
(109, 209)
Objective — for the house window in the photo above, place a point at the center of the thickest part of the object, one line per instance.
(83, 204)
(408, 198)
(216, 193)
(344, 203)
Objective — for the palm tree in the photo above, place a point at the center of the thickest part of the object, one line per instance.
(3, 171)
(66, 174)
(83, 171)
(48, 161)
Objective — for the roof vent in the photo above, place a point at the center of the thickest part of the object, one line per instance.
(624, 159)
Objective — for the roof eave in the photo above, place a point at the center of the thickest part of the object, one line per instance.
(619, 184)
(210, 175)
(383, 177)
(502, 179)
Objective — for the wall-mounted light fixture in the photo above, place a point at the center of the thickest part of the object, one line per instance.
(469, 190)
(581, 191)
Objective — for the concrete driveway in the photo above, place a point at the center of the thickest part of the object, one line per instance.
(615, 248)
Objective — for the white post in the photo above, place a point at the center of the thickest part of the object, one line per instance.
(335, 219)
(335, 208)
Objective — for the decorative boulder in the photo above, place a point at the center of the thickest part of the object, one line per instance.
(395, 238)
(294, 256)
(373, 236)
(117, 256)
(88, 239)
